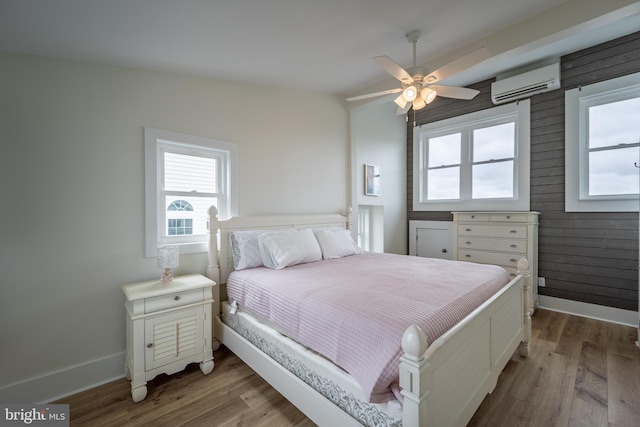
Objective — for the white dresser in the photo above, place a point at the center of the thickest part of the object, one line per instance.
(168, 327)
(499, 238)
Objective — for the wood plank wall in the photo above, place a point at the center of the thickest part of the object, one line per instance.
(584, 256)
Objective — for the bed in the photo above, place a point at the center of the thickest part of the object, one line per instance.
(440, 381)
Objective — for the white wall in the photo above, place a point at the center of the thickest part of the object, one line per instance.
(72, 194)
(379, 137)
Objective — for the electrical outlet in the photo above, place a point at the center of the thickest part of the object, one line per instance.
(541, 282)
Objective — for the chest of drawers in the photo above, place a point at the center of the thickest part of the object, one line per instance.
(168, 327)
(499, 238)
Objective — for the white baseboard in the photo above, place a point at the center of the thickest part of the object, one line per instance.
(592, 311)
(65, 382)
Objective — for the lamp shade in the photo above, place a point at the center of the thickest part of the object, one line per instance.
(419, 103)
(400, 101)
(410, 93)
(168, 256)
(428, 94)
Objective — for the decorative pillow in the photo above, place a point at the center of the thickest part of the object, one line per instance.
(244, 246)
(336, 243)
(280, 250)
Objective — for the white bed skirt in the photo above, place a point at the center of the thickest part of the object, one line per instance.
(318, 372)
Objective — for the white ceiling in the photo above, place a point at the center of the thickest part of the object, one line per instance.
(317, 45)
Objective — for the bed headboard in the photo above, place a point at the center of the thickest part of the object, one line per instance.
(221, 261)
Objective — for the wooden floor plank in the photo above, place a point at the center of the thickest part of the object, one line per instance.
(580, 372)
(587, 414)
(624, 390)
(591, 378)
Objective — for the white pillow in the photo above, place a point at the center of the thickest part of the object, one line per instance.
(244, 246)
(280, 250)
(336, 243)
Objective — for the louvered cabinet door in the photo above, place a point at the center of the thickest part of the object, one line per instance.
(172, 337)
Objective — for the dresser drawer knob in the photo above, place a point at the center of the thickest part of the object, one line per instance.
(467, 243)
(176, 298)
(468, 229)
(444, 250)
(514, 246)
(508, 216)
(150, 345)
(513, 260)
(513, 231)
(468, 256)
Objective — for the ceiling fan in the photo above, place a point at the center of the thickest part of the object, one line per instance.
(417, 83)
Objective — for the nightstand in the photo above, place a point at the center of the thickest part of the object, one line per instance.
(168, 327)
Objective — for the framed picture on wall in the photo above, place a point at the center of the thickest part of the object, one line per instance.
(371, 180)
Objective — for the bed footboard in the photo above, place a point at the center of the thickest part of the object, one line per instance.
(444, 383)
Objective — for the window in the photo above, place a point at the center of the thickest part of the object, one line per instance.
(602, 143)
(185, 175)
(477, 161)
(179, 218)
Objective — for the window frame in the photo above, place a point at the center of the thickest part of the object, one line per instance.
(577, 102)
(157, 142)
(517, 112)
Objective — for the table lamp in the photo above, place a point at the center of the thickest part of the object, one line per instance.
(168, 258)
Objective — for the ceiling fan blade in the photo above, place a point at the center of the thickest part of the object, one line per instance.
(458, 65)
(391, 67)
(400, 111)
(374, 94)
(455, 92)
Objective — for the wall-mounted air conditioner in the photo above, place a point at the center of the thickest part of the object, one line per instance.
(526, 84)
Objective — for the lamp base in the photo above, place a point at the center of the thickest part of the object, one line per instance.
(166, 276)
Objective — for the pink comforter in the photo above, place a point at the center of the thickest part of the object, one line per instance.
(354, 310)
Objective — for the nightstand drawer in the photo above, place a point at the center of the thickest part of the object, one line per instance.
(516, 231)
(499, 245)
(177, 299)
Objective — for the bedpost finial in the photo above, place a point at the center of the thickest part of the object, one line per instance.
(523, 267)
(414, 342)
(213, 211)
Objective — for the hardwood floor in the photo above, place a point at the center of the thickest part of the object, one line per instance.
(581, 372)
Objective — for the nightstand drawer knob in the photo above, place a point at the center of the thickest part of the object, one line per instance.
(150, 345)
(176, 298)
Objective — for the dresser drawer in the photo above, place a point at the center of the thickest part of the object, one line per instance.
(496, 258)
(498, 245)
(177, 299)
(515, 232)
(472, 216)
(508, 217)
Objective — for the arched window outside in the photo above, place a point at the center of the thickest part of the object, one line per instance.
(180, 225)
(180, 205)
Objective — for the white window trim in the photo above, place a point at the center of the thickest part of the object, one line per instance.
(521, 201)
(153, 138)
(576, 151)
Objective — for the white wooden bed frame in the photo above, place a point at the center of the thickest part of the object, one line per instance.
(443, 383)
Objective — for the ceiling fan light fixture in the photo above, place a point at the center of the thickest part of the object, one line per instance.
(428, 94)
(419, 103)
(400, 101)
(410, 93)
